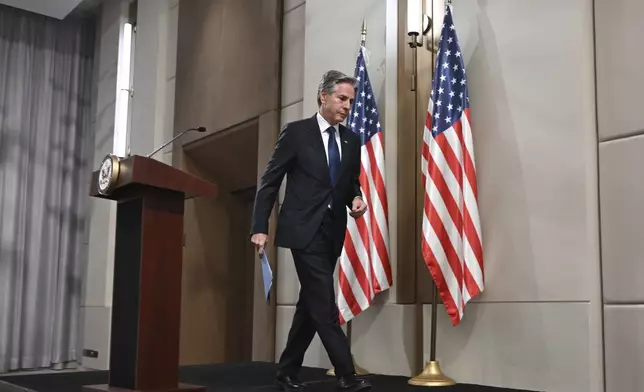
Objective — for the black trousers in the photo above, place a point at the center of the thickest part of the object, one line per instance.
(316, 310)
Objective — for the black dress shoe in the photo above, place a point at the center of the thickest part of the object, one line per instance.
(288, 383)
(352, 384)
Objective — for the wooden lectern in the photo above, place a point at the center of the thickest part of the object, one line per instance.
(146, 309)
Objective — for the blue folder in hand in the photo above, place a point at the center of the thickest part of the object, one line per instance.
(267, 274)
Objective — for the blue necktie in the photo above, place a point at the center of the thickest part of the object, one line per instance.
(334, 156)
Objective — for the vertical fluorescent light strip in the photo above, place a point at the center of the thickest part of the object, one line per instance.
(391, 123)
(414, 16)
(131, 92)
(438, 14)
(123, 92)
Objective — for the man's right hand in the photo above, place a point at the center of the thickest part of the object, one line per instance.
(259, 240)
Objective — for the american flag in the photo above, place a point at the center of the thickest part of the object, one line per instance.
(451, 236)
(364, 263)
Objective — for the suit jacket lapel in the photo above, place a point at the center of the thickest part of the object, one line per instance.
(318, 147)
(346, 149)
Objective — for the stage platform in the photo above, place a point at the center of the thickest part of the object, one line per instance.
(248, 377)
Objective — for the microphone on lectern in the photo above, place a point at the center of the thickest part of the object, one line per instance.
(199, 129)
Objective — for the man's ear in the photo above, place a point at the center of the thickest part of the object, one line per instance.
(323, 97)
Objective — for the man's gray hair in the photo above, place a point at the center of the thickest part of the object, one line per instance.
(330, 81)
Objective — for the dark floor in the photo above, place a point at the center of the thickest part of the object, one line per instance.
(248, 377)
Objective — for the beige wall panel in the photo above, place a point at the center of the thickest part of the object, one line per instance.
(624, 344)
(533, 346)
(536, 163)
(227, 63)
(290, 4)
(383, 339)
(619, 27)
(293, 56)
(622, 214)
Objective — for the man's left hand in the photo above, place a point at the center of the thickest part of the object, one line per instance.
(358, 207)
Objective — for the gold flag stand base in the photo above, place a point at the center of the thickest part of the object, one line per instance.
(359, 371)
(432, 376)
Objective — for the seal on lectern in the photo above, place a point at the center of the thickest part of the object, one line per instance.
(108, 174)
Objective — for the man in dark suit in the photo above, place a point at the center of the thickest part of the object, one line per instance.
(321, 159)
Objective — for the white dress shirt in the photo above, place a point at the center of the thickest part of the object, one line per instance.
(324, 125)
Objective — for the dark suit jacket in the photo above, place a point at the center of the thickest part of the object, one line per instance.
(299, 154)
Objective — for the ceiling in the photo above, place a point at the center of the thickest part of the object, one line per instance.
(58, 9)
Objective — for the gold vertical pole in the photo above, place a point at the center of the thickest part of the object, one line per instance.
(431, 375)
(359, 370)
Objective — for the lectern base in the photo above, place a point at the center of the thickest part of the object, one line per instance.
(179, 388)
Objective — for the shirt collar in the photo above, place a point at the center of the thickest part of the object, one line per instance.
(324, 124)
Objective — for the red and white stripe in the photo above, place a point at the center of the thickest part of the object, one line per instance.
(365, 269)
(451, 230)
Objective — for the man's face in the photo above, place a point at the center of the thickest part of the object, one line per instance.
(335, 106)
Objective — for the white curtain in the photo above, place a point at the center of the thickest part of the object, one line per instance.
(45, 129)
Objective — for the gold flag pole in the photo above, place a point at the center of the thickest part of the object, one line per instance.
(359, 370)
(431, 375)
